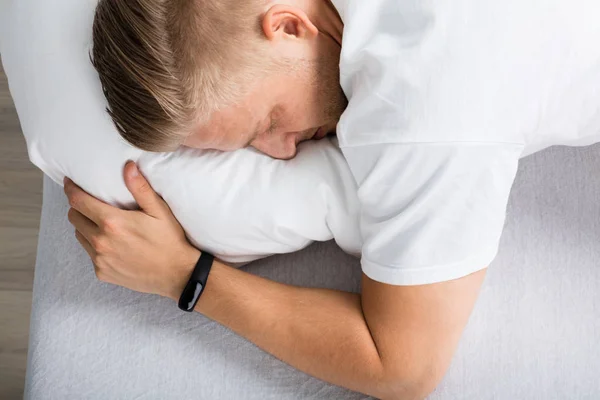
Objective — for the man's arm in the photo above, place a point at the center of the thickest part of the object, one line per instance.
(392, 342)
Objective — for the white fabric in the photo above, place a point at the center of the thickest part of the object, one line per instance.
(444, 98)
(240, 206)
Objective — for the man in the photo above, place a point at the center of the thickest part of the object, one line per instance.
(443, 100)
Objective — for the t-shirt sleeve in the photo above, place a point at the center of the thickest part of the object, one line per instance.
(431, 212)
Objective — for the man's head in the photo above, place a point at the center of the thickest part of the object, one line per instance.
(220, 74)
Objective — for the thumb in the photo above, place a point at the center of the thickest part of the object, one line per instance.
(146, 198)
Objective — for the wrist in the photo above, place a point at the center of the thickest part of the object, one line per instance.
(181, 273)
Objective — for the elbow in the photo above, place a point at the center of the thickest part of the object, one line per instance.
(416, 384)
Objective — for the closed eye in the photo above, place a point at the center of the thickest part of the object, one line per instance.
(272, 126)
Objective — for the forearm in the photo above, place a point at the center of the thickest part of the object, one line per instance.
(391, 341)
(321, 332)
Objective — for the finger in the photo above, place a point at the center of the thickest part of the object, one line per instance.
(85, 244)
(148, 200)
(92, 208)
(82, 224)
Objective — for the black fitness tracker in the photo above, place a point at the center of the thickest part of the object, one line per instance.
(195, 286)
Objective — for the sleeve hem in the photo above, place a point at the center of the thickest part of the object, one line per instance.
(344, 145)
(397, 275)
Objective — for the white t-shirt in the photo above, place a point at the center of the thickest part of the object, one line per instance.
(444, 98)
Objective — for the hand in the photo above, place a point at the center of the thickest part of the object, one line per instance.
(145, 251)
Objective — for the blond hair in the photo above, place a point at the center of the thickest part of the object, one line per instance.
(167, 65)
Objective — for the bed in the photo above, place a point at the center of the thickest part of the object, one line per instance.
(534, 332)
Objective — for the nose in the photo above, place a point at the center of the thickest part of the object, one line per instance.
(283, 147)
(288, 154)
(286, 150)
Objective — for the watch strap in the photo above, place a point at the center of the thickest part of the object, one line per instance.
(197, 283)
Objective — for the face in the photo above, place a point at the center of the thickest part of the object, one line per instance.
(280, 113)
(284, 109)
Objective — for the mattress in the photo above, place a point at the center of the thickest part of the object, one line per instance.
(533, 334)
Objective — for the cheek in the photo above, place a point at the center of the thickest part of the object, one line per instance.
(303, 114)
(316, 105)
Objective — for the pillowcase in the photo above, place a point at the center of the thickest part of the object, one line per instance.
(241, 206)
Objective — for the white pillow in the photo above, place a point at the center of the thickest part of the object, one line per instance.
(241, 206)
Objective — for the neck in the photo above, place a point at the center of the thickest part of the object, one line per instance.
(326, 18)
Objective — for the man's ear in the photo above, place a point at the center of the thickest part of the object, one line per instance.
(287, 21)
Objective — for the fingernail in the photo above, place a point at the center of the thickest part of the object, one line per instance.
(134, 171)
